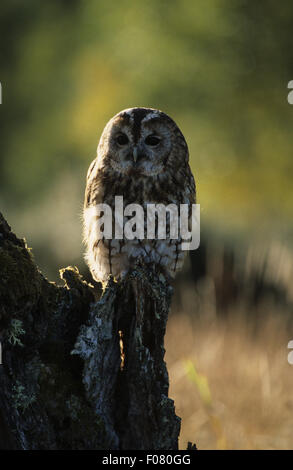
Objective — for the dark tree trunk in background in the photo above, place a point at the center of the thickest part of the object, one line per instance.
(78, 373)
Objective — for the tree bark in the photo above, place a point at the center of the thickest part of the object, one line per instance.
(81, 373)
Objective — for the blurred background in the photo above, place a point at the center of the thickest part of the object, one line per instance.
(221, 70)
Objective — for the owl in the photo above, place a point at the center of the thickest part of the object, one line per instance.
(142, 157)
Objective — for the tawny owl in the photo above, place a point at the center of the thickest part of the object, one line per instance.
(143, 157)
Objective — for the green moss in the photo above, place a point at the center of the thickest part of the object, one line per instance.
(7, 263)
(18, 270)
(21, 282)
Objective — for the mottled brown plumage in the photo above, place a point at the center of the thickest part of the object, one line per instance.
(142, 156)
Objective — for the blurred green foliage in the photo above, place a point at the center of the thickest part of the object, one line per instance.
(219, 68)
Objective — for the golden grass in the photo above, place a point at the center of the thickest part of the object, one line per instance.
(231, 380)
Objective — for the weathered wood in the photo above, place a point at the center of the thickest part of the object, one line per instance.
(65, 382)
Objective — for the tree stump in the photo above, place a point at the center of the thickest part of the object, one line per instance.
(81, 373)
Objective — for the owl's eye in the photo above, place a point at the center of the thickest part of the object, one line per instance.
(152, 140)
(122, 139)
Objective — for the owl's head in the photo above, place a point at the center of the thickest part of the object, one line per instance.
(142, 141)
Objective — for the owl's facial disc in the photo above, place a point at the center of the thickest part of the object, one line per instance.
(137, 142)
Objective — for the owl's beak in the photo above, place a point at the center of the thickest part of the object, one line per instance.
(135, 154)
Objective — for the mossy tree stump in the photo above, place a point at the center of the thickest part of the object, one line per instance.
(81, 373)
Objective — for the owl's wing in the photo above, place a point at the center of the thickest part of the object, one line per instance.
(191, 187)
(189, 193)
(90, 184)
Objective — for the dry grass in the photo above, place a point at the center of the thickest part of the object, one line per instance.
(231, 380)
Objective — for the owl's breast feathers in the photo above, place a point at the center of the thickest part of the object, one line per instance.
(167, 187)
